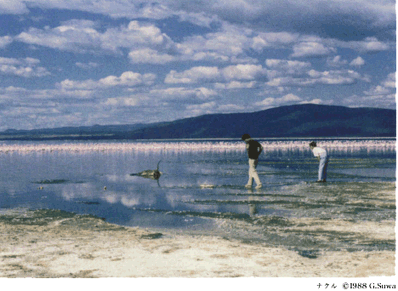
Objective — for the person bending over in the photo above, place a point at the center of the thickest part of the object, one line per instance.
(323, 158)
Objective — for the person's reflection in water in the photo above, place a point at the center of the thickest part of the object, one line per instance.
(252, 203)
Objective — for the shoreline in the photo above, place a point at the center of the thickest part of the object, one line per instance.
(79, 246)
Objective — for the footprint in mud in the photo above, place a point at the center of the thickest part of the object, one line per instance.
(87, 257)
(170, 250)
(10, 256)
(308, 254)
(83, 274)
(217, 256)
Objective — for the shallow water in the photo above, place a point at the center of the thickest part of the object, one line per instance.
(201, 189)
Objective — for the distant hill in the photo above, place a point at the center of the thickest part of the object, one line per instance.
(81, 132)
(306, 120)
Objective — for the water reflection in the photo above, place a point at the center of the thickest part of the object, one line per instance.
(252, 206)
(201, 186)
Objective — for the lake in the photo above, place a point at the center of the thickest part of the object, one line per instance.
(201, 189)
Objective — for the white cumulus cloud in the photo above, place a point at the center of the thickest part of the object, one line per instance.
(179, 93)
(26, 67)
(129, 78)
(357, 62)
(311, 49)
(193, 75)
(271, 102)
(5, 41)
(149, 56)
(214, 74)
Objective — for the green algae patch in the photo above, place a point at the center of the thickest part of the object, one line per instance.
(37, 217)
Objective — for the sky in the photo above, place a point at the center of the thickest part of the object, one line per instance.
(88, 62)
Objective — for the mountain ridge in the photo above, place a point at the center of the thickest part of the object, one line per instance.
(303, 120)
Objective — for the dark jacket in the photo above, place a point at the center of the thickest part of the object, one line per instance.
(254, 149)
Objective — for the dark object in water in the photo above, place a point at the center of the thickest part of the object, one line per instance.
(152, 174)
(89, 202)
(56, 181)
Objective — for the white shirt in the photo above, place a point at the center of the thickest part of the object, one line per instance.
(318, 152)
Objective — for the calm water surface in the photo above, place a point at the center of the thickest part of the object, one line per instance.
(201, 189)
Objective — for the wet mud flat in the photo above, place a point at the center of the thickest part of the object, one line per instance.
(59, 244)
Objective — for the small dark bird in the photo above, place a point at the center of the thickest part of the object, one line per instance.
(152, 174)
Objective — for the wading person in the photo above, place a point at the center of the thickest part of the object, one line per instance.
(254, 149)
(323, 158)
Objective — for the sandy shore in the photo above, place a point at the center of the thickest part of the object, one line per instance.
(88, 247)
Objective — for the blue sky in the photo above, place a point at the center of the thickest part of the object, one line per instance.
(86, 62)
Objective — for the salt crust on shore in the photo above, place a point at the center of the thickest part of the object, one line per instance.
(88, 247)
